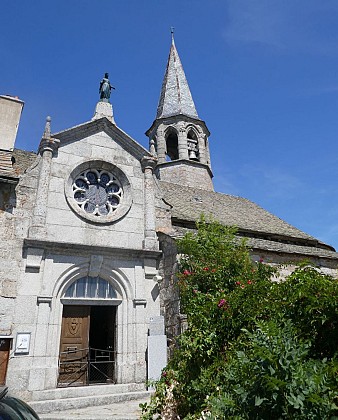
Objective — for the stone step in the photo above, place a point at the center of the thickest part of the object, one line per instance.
(83, 391)
(128, 410)
(94, 400)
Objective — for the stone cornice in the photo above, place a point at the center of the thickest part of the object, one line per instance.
(65, 247)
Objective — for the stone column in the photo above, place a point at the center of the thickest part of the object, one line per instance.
(161, 146)
(182, 143)
(207, 151)
(202, 148)
(47, 147)
(150, 240)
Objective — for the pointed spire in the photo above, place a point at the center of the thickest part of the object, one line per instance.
(175, 98)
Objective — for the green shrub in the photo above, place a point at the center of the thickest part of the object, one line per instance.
(254, 348)
(272, 377)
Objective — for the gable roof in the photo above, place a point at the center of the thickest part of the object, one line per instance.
(90, 128)
(17, 162)
(23, 160)
(252, 220)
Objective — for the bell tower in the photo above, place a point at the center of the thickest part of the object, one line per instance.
(178, 137)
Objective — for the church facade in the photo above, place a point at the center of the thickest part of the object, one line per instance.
(88, 256)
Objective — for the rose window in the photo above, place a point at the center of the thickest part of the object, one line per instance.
(97, 192)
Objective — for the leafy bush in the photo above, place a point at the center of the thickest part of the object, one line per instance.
(254, 348)
(272, 377)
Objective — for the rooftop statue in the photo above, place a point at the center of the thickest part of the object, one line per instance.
(105, 88)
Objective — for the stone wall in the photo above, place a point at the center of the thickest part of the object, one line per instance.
(169, 293)
(185, 172)
(16, 204)
(64, 225)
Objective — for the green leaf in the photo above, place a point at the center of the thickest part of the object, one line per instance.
(258, 401)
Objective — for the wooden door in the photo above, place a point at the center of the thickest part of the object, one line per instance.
(4, 355)
(74, 345)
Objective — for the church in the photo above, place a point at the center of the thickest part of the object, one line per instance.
(88, 256)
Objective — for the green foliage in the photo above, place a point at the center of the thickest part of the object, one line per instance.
(255, 348)
(273, 377)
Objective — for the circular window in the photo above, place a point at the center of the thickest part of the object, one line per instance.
(99, 192)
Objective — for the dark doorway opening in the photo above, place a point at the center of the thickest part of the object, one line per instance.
(102, 344)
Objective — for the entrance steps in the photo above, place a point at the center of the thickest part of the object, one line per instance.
(72, 398)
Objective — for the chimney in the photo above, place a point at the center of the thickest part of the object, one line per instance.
(10, 114)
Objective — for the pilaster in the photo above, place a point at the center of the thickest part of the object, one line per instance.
(150, 240)
(47, 148)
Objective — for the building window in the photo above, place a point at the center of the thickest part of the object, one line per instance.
(91, 288)
(97, 192)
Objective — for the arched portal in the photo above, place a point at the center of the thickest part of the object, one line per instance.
(88, 332)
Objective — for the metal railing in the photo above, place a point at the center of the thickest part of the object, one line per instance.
(86, 366)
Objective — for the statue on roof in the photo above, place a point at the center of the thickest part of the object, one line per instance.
(105, 88)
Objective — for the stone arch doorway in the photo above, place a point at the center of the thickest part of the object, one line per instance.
(88, 333)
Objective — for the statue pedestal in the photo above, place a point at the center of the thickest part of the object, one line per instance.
(104, 109)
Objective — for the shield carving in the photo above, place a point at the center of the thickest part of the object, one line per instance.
(73, 326)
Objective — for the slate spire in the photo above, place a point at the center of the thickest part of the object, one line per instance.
(175, 98)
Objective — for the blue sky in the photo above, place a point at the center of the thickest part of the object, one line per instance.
(263, 75)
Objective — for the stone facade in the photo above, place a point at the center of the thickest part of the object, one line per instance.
(50, 242)
(88, 252)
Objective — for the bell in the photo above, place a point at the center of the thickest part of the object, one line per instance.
(192, 155)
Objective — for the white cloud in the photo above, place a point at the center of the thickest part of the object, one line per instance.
(273, 181)
(296, 25)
